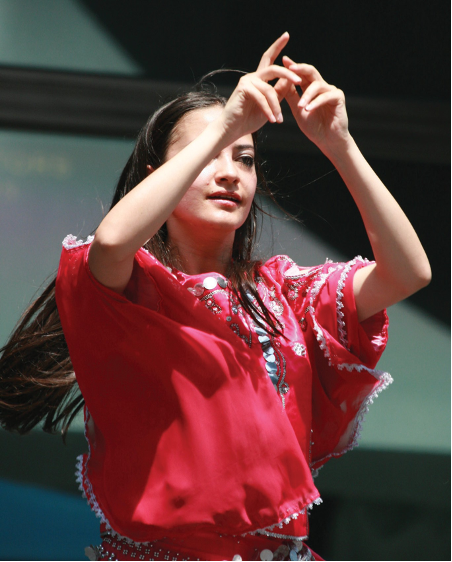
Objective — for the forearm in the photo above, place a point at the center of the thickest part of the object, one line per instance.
(140, 214)
(399, 255)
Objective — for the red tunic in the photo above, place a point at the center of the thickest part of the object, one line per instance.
(197, 420)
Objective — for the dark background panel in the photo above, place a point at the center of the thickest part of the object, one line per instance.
(310, 188)
(385, 48)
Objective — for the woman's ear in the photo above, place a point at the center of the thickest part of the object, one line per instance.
(150, 169)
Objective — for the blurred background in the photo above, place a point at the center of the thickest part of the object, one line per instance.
(78, 79)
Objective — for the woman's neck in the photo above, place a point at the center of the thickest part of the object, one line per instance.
(202, 252)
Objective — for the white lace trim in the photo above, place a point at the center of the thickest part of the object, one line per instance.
(278, 536)
(92, 502)
(83, 480)
(385, 380)
(320, 281)
(316, 286)
(383, 377)
(315, 471)
(285, 521)
(340, 295)
(71, 241)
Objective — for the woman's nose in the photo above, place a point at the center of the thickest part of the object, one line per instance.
(226, 170)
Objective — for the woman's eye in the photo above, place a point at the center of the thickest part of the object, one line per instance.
(247, 160)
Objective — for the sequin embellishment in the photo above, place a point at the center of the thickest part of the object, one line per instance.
(299, 349)
(275, 363)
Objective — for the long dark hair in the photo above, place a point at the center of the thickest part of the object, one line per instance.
(37, 382)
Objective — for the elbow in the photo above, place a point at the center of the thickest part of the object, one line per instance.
(423, 272)
(424, 276)
(419, 279)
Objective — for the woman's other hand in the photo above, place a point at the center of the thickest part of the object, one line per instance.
(254, 101)
(320, 110)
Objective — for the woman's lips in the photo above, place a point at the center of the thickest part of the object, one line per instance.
(225, 199)
(225, 202)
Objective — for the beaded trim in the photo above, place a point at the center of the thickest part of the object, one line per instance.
(268, 531)
(340, 295)
(385, 380)
(71, 241)
(383, 377)
(82, 479)
(87, 490)
(316, 286)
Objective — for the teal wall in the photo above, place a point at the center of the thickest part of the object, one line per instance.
(59, 35)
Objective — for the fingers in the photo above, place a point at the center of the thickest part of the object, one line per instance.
(313, 90)
(307, 71)
(262, 94)
(292, 98)
(267, 105)
(271, 97)
(273, 94)
(316, 91)
(330, 97)
(270, 55)
(275, 71)
(282, 88)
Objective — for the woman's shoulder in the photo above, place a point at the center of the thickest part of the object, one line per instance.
(72, 244)
(285, 267)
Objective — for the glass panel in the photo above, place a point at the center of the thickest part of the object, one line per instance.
(63, 36)
(50, 186)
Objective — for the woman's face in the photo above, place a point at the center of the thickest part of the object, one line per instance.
(220, 197)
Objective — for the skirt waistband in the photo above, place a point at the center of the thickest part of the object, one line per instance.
(225, 548)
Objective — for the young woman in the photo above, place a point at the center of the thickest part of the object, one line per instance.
(214, 385)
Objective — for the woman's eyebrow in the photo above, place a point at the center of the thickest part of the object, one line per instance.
(243, 146)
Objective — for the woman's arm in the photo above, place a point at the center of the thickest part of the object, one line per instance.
(401, 267)
(140, 214)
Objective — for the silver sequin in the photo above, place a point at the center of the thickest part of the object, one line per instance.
(271, 367)
(222, 282)
(209, 283)
(299, 349)
(197, 290)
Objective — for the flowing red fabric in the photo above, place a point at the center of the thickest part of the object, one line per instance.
(186, 431)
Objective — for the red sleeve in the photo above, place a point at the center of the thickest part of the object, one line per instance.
(335, 318)
(343, 352)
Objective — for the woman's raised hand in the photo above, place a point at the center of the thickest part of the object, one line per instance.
(320, 110)
(255, 101)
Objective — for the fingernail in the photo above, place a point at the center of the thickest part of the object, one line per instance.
(279, 118)
(302, 102)
(308, 107)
